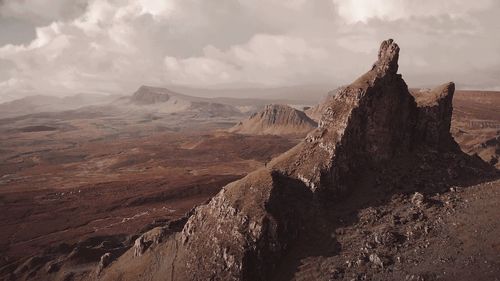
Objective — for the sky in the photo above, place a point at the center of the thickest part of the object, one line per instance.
(61, 47)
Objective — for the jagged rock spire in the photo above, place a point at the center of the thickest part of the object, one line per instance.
(388, 56)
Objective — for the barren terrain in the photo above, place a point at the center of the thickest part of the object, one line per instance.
(64, 178)
(476, 123)
(71, 176)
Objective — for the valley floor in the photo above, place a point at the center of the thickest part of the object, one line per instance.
(72, 179)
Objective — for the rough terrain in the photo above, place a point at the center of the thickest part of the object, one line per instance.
(65, 179)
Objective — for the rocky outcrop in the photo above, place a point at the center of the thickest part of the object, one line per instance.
(372, 134)
(366, 124)
(239, 235)
(276, 119)
(434, 116)
(249, 224)
(153, 236)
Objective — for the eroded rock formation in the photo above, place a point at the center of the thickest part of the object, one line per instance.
(276, 119)
(373, 135)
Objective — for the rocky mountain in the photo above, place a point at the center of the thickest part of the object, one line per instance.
(276, 119)
(374, 138)
(164, 101)
(375, 145)
(146, 100)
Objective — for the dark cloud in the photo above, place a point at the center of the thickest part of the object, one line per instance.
(14, 31)
(42, 12)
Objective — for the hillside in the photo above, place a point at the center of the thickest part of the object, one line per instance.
(276, 119)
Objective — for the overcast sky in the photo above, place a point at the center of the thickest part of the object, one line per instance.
(113, 46)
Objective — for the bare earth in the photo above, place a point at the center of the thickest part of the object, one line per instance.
(86, 177)
(476, 123)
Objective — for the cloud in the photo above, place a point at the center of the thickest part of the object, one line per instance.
(251, 62)
(42, 11)
(364, 10)
(114, 46)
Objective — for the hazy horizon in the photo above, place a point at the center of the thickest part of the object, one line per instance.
(115, 46)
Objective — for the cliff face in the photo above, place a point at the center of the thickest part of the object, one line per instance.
(365, 124)
(373, 135)
(434, 116)
(276, 119)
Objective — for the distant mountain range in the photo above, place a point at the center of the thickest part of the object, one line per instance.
(43, 103)
(299, 94)
(146, 100)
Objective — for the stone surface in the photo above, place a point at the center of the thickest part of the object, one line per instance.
(434, 116)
